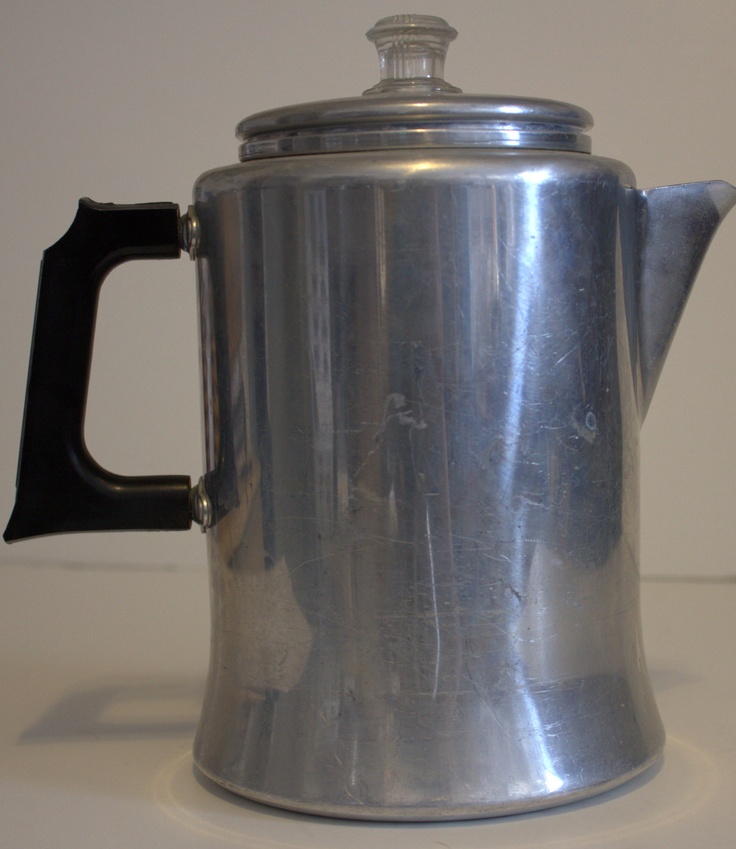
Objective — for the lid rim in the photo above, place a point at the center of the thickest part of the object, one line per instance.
(350, 139)
(443, 121)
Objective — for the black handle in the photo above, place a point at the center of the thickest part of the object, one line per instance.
(60, 488)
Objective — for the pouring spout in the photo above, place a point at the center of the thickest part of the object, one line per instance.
(675, 225)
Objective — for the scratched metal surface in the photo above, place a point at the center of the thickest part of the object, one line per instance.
(421, 447)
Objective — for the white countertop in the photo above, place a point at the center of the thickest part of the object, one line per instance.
(102, 675)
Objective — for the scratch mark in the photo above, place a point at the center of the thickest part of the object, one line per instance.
(395, 408)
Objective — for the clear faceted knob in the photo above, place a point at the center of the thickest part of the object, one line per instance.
(411, 53)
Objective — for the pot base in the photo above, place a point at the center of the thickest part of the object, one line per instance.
(433, 812)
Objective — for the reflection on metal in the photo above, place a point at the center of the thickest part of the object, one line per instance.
(423, 398)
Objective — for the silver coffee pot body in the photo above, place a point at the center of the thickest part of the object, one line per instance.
(428, 345)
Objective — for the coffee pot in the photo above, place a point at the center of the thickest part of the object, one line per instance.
(431, 327)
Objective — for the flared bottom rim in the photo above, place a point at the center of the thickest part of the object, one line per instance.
(433, 813)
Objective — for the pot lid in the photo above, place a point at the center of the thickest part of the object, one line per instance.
(413, 106)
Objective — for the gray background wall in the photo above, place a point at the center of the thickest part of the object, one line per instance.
(130, 101)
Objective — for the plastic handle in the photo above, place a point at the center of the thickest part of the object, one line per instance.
(60, 488)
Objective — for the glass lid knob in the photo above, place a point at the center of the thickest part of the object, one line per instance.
(411, 53)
